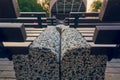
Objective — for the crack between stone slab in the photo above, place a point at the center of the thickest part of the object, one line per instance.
(60, 73)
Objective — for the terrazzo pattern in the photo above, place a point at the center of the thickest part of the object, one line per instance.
(60, 56)
(75, 53)
(96, 66)
(44, 56)
(77, 62)
(42, 62)
(21, 66)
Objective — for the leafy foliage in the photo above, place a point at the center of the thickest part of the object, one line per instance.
(96, 5)
(30, 6)
(46, 4)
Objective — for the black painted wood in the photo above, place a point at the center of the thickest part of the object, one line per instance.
(107, 35)
(110, 10)
(12, 32)
(9, 9)
(32, 14)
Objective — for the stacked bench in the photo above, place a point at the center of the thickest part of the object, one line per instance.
(76, 20)
(51, 21)
(13, 23)
(36, 19)
(82, 16)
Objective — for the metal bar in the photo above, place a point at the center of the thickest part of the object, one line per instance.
(72, 5)
(80, 5)
(64, 6)
(57, 7)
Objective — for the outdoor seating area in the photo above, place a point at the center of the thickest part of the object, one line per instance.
(85, 46)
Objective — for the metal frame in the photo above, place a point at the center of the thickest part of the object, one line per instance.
(66, 6)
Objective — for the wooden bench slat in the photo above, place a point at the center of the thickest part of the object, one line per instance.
(112, 76)
(32, 14)
(35, 29)
(7, 74)
(30, 38)
(33, 35)
(6, 67)
(101, 45)
(16, 44)
(115, 60)
(34, 32)
(6, 63)
(89, 39)
(85, 29)
(113, 70)
(87, 35)
(113, 65)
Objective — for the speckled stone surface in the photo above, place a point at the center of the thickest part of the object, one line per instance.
(75, 53)
(21, 66)
(42, 62)
(96, 66)
(44, 56)
(60, 56)
(77, 62)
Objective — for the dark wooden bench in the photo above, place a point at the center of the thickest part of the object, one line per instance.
(90, 25)
(107, 35)
(84, 14)
(76, 17)
(9, 9)
(51, 21)
(66, 21)
(110, 10)
(32, 14)
(13, 32)
(41, 20)
(28, 21)
(77, 21)
(85, 20)
(36, 19)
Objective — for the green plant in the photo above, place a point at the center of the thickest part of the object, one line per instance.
(31, 6)
(96, 5)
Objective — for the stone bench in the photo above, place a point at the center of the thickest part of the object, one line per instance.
(42, 62)
(60, 56)
(78, 63)
(75, 52)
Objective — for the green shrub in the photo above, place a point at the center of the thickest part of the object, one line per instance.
(30, 6)
(96, 5)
